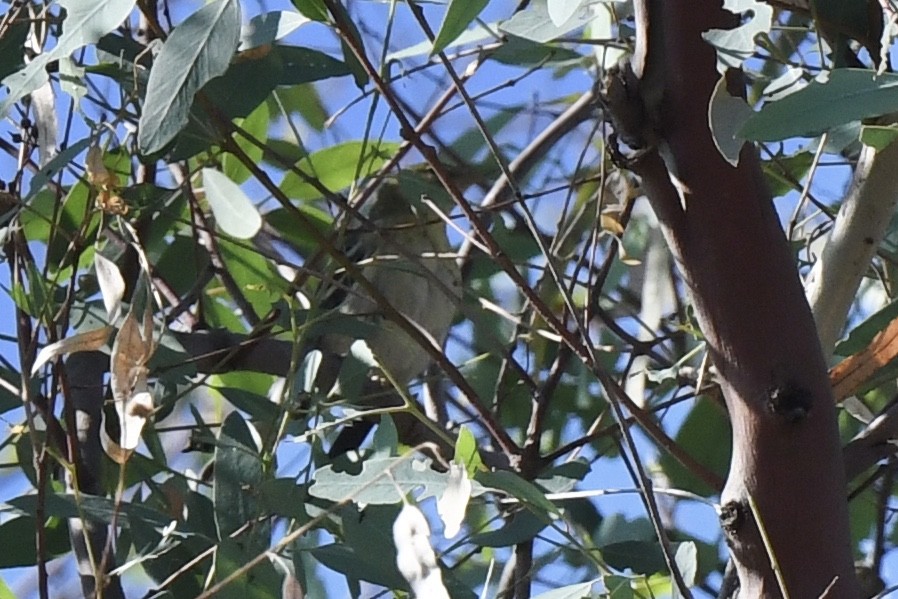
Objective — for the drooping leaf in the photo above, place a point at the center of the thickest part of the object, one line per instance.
(12, 47)
(735, 46)
(234, 211)
(128, 372)
(239, 473)
(459, 15)
(198, 50)
(86, 22)
(454, 501)
(726, 114)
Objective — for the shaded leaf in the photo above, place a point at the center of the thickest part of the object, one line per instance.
(86, 22)
(24, 552)
(517, 487)
(522, 527)
(93, 507)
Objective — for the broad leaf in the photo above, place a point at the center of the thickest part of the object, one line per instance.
(848, 95)
(337, 167)
(234, 211)
(198, 50)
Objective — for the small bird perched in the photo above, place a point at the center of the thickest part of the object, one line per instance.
(401, 250)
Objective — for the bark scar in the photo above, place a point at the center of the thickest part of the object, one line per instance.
(790, 401)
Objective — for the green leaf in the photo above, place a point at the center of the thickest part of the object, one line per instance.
(848, 95)
(95, 508)
(879, 136)
(861, 335)
(198, 50)
(313, 9)
(239, 472)
(458, 16)
(234, 211)
(24, 552)
(534, 22)
(572, 591)
(5, 591)
(337, 167)
(86, 22)
(374, 486)
(254, 274)
(359, 566)
(643, 557)
(269, 27)
(514, 485)
(705, 426)
(12, 47)
(261, 581)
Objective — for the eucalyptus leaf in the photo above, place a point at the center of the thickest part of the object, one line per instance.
(234, 211)
(848, 95)
(86, 21)
(198, 50)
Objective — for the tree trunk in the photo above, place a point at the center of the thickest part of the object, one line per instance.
(786, 471)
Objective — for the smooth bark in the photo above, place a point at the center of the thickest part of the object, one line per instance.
(725, 234)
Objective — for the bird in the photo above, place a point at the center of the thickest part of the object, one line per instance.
(400, 247)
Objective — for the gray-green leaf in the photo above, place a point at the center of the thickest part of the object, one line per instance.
(199, 49)
(234, 211)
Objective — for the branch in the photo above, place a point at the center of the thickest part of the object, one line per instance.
(860, 227)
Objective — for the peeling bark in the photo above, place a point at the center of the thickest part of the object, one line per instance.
(719, 220)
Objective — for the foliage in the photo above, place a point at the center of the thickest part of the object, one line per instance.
(186, 222)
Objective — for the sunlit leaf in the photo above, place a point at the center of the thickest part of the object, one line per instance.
(234, 211)
(198, 50)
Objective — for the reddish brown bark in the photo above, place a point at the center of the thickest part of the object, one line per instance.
(726, 236)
